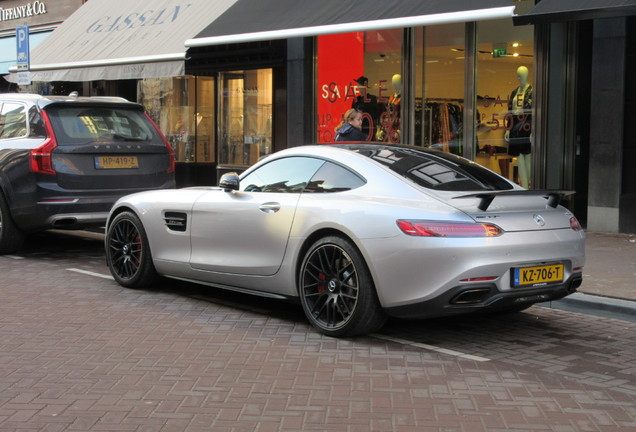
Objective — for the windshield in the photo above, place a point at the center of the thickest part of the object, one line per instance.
(78, 125)
(432, 169)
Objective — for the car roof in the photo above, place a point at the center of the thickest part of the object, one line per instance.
(355, 147)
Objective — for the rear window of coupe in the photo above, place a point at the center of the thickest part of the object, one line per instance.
(435, 170)
(78, 125)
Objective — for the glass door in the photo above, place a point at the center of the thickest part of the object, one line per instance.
(246, 117)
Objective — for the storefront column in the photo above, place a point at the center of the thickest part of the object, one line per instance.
(607, 124)
(470, 86)
(300, 81)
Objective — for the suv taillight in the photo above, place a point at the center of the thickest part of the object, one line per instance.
(166, 143)
(41, 159)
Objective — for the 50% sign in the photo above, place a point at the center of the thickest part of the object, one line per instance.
(509, 120)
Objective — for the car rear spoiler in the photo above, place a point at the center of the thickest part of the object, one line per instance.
(554, 197)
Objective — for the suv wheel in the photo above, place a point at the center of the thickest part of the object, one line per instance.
(11, 238)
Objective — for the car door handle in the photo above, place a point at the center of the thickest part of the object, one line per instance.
(269, 207)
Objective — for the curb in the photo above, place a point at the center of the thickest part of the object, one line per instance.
(596, 305)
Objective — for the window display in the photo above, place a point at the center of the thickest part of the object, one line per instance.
(170, 103)
(246, 117)
(205, 120)
(189, 128)
(439, 87)
(504, 105)
(363, 71)
(481, 73)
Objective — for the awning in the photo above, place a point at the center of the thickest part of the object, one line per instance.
(123, 39)
(572, 10)
(8, 49)
(281, 19)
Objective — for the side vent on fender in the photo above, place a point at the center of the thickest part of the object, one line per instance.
(176, 221)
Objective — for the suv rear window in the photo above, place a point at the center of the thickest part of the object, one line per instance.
(78, 125)
(433, 169)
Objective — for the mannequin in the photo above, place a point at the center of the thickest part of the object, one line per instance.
(393, 108)
(518, 133)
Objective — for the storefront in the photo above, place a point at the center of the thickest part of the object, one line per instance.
(459, 77)
(42, 17)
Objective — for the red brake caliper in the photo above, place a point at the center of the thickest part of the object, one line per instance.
(322, 277)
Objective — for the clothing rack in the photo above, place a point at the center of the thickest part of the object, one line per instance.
(430, 125)
(445, 100)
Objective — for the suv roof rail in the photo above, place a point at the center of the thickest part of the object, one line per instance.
(110, 98)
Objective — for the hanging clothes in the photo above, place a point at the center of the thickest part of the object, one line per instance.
(445, 126)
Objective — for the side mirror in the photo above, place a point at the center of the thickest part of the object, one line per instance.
(229, 182)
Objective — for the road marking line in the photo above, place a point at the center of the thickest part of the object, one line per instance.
(90, 273)
(431, 348)
(15, 257)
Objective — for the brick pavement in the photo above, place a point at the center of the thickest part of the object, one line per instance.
(80, 353)
(610, 268)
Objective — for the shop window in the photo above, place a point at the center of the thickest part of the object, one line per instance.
(205, 120)
(362, 71)
(170, 103)
(439, 87)
(505, 98)
(246, 117)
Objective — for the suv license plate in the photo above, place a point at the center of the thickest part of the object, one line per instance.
(110, 162)
(537, 276)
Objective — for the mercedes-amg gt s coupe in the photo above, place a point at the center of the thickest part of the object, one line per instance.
(356, 233)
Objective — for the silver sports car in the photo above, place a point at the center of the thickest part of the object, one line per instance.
(356, 232)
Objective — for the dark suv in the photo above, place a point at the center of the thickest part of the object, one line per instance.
(64, 161)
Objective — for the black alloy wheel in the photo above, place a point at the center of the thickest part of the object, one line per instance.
(127, 252)
(336, 289)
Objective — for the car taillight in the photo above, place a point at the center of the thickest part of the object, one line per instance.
(171, 163)
(41, 157)
(448, 229)
(574, 224)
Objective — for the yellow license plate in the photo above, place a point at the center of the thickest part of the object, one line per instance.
(110, 162)
(537, 276)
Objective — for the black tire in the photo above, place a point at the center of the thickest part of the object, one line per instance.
(336, 290)
(11, 237)
(128, 253)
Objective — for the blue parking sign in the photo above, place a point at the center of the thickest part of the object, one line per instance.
(22, 45)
